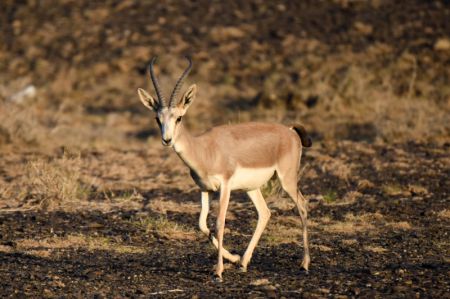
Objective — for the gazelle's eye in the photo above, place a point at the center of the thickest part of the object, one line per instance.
(178, 119)
(158, 121)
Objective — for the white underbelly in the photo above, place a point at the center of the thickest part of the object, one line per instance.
(250, 178)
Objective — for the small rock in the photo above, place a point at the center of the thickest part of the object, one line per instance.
(29, 92)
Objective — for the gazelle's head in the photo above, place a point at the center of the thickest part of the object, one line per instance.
(169, 115)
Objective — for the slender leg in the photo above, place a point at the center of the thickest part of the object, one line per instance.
(301, 205)
(263, 217)
(204, 214)
(204, 228)
(223, 207)
(300, 201)
(288, 178)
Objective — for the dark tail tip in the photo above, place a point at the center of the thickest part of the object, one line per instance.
(304, 137)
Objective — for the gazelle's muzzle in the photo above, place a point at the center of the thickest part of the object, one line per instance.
(167, 134)
(167, 142)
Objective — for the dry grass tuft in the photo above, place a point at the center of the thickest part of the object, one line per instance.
(56, 182)
(260, 282)
(334, 166)
(350, 197)
(350, 227)
(372, 221)
(45, 247)
(367, 217)
(165, 228)
(331, 198)
(353, 223)
(398, 190)
(322, 248)
(162, 206)
(365, 184)
(125, 196)
(401, 225)
(393, 190)
(349, 242)
(444, 214)
(276, 234)
(281, 203)
(375, 249)
(20, 125)
(396, 105)
(417, 190)
(6, 249)
(272, 188)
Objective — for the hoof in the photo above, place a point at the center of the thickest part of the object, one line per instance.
(305, 263)
(217, 278)
(305, 267)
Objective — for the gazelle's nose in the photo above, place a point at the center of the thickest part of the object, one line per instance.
(167, 141)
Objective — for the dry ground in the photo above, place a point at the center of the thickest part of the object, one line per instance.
(378, 228)
(92, 205)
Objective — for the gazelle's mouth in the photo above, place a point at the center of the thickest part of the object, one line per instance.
(166, 143)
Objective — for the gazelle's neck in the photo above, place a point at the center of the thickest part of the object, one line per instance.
(184, 140)
(186, 147)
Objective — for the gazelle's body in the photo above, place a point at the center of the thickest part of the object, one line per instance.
(230, 157)
(245, 155)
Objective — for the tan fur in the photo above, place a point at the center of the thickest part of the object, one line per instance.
(222, 149)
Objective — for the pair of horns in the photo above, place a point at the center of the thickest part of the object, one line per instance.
(176, 89)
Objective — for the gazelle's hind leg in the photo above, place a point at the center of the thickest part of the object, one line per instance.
(263, 217)
(234, 258)
(288, 179)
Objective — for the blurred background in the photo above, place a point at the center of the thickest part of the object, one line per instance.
(369, 71)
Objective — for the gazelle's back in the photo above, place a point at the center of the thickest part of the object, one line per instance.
(255, 144)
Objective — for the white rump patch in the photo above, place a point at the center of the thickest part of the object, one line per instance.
(251, 178)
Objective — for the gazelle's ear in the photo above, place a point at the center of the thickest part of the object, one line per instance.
(147, 100)
(188, 97)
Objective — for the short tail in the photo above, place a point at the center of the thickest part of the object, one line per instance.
(304, 137)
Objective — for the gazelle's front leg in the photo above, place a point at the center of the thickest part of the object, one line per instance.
(223, 207)
(235, 258)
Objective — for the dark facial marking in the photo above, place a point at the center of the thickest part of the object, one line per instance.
(158, 121)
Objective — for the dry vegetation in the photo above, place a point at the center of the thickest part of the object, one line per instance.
(89, 195)
(165, 228)
(56, 182)
(47, 247)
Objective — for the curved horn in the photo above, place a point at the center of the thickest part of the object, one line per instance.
(162, 102)
(179, 83)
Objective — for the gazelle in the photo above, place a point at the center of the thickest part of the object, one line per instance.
(229, 157)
